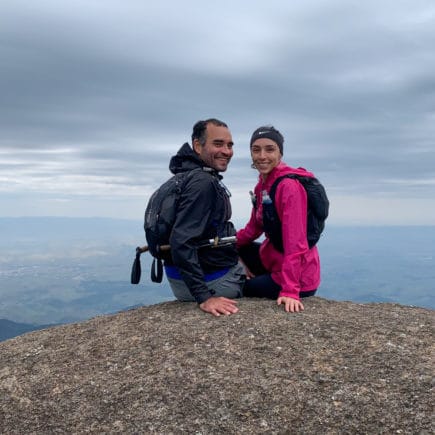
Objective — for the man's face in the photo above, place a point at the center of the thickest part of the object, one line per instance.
(218, 148)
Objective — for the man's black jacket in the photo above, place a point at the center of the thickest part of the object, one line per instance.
(203, 212)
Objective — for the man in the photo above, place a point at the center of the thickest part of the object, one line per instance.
(211, 276)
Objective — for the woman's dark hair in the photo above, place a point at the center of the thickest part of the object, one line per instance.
(199, 129)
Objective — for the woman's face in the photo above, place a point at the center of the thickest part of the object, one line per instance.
(265, 155)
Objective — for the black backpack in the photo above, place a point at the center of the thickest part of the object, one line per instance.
(318, 209)
(160, 216)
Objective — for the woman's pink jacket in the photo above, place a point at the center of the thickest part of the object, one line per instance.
(298, 268)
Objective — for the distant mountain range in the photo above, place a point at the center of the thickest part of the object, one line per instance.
(63, 270)
(10, 329)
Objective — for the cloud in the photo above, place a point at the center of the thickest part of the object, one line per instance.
(96, 97)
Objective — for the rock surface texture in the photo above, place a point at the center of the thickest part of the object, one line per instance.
(338, 367)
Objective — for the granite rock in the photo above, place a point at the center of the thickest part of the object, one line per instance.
(337, 367)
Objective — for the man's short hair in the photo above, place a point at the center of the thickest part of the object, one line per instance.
(199, 129)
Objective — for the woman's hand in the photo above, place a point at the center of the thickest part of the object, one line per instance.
(248, 273)
(290, 305)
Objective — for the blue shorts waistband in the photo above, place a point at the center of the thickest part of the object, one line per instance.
(174, 273)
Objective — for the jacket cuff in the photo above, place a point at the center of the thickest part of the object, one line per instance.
(203, 296)
(289, 294)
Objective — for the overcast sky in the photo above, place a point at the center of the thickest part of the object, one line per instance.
(97, 95)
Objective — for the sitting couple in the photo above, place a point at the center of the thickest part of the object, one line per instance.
(216, 277)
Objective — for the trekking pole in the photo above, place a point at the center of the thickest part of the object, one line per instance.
(217, 241)
(136, 269)
(212, 243)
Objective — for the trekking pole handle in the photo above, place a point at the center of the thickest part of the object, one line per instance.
(141, 249)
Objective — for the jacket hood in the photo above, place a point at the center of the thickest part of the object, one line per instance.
(283, 169)
(185, 160)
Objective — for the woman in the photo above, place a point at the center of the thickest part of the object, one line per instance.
(292, 271)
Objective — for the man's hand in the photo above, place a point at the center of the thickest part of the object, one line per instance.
(290, 305)
(219, 305)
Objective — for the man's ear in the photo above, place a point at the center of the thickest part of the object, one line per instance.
(197, 146)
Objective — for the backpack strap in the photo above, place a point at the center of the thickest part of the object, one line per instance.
(271, 220)
(317, 208)
(157, 270)
(277, 181)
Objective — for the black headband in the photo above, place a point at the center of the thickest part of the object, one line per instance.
(269, 133)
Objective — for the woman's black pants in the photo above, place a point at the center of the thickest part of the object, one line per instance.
(262, 285)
